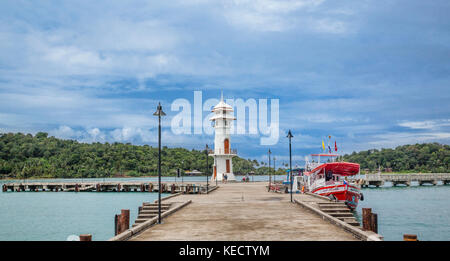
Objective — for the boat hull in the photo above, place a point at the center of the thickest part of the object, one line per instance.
(347, 193)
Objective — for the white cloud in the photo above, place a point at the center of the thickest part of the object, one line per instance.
(329, 26)
(428, 124)
(65, 132)
(392, 139)
(265, 15)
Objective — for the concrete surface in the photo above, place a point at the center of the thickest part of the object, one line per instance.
(242, 211)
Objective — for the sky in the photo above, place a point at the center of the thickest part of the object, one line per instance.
(372, 74)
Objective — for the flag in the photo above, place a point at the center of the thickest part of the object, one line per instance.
(329, 149)
(335, 146)
(323, 145)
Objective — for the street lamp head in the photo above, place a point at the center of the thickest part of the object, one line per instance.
(290, 134)
(159, 111)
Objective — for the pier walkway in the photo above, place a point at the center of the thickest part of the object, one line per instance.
(243, 211)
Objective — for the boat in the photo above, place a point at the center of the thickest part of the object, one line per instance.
(331, 179)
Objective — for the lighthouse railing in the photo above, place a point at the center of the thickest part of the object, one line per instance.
(223, 152)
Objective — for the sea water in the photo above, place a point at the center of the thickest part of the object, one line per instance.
(422, 210)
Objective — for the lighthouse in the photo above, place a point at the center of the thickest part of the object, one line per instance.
(223, 154)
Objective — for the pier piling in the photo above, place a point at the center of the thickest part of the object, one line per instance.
(366, 216)
(374, 223)
(85, 237)
(409, 237)
(121, 221)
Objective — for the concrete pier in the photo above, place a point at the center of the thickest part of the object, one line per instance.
(405, 179)
(167, 187)
(244, 211)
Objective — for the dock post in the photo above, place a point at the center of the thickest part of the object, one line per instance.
(116, 224)
(85, 237)
(121, 221)
(172, 189)
(367, 216)
(118, 187)
(124, 219)
(409, 237)
(76, 187)
(97, 187)
(4, 188)
(374, 223)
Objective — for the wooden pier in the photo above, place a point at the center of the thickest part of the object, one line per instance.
(405, 179)
(248, 212)
(166, 187)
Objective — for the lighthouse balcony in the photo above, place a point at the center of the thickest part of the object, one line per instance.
(223, 152)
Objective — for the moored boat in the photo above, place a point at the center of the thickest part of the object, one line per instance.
(331, 179)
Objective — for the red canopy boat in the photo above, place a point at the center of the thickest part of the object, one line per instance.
(331, 179)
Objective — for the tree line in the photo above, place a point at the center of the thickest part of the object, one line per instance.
(41, 156)
(426, 157)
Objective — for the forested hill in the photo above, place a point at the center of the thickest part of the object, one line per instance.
(25, 156)
(427, 157)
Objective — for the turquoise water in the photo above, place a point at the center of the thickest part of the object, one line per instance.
(421, 210)
(56, 215)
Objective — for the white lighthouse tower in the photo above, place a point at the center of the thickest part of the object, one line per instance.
(223, 154)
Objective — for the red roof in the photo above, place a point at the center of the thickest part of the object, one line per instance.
(340, 168)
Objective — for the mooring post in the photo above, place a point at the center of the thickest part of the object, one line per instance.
(118, 187)
(367, 216)
(150, 187)
(409, 237)
(374, 223)
(142, 187)
(172, 189)
(124, 219)
(76, 187)
(85, 237)
(97, 187)
(116, 224)
(4, 188)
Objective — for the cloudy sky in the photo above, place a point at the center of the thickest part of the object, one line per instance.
(372, 74)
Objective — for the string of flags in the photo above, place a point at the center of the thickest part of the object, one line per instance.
(329, 147)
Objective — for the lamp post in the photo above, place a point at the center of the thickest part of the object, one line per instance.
(159, 112)
(207, 169)
(290, 160)
(182, 172)
(274, 170)
(270, 177)
(215, 171)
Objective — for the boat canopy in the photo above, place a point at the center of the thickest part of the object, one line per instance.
(341, 168)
